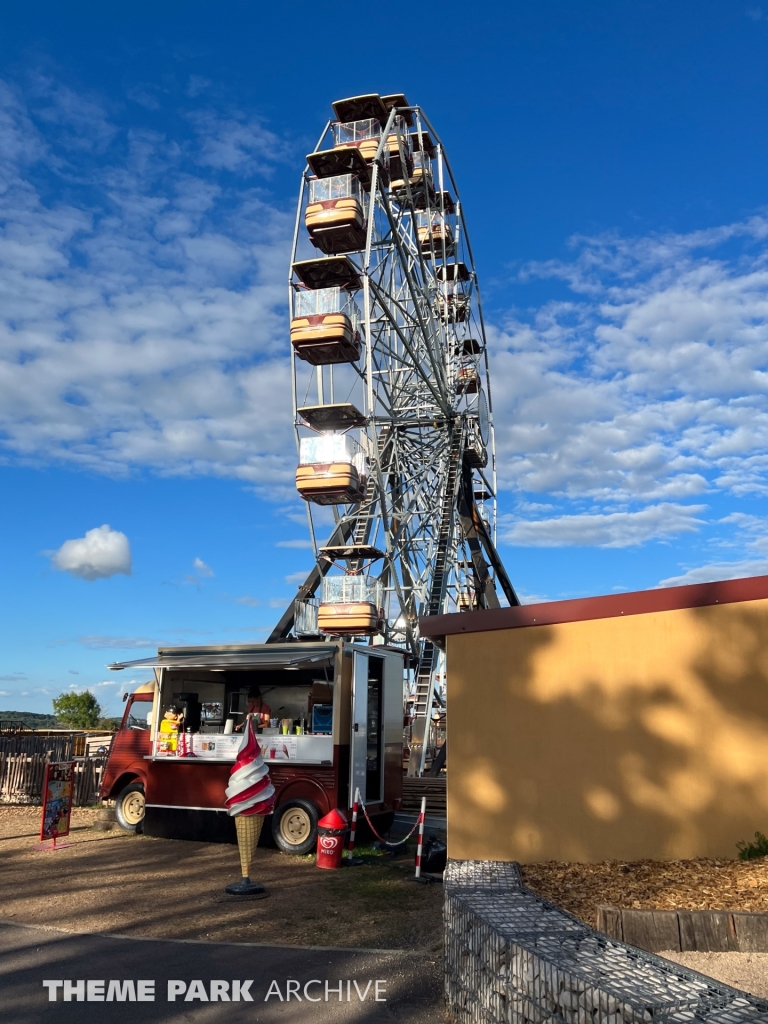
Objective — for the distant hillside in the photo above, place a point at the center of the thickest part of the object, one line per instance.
(31, 719)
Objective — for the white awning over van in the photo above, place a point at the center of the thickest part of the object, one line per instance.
(265, 656)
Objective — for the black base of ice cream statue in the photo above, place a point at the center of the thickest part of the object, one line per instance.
(245, 887)
(250, 797)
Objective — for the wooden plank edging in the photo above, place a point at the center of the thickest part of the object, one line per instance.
(683, 931)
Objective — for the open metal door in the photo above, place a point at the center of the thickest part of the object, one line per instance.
(359, 743)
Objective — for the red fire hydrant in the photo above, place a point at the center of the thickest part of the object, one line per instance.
(331, 831)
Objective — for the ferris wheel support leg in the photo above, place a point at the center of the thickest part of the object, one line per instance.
(418, 747)
(471, 522)
(498, 565)
(439, 762)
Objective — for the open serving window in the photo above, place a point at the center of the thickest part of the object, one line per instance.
(294, 704)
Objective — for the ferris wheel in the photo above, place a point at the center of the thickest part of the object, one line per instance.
(391, 393)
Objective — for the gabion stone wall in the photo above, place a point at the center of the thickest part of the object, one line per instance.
(513, 958)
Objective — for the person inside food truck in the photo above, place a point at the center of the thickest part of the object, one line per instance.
(257, 707)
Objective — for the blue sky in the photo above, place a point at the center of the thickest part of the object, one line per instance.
(611, 158)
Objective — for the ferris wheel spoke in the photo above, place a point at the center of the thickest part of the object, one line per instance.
(421, 314)
(437, 395)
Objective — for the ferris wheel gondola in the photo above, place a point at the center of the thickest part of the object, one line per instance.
(391, 392)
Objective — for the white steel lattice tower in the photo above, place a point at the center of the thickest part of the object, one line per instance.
(392, 397)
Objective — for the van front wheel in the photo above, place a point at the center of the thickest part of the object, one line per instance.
(130, 807)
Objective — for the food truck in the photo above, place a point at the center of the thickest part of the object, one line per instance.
(334, 725)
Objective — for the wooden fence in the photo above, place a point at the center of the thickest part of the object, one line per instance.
(55, 748)
(21, 778)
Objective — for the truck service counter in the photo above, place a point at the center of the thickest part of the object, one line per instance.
(299, 749)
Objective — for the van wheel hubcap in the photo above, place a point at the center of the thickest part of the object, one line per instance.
(295, 826)
(133, 808)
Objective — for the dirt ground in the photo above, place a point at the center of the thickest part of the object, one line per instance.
(652, 885)
(747, 971)
(134, 885)
(137, 886)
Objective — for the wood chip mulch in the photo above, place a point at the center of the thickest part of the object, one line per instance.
(652, 885)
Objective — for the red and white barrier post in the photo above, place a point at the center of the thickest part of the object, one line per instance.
(422, 815)
(353, 829)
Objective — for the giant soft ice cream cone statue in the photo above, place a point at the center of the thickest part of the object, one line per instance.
(249, 797)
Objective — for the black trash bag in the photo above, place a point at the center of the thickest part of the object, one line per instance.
(434, 856)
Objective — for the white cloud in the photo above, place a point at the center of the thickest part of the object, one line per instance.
(750, 536)
(201, 568)
(719, 571)
(143, 96)
(651, 383)
(142, 317)
(528, 597)
(605, 530)
(299, 544)
(236, 142)
(98, 642)
(296, 577)
(101, 553)
(197, 85)
(143, 325)
(754, 529)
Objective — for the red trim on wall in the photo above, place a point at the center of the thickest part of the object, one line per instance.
(639, 602)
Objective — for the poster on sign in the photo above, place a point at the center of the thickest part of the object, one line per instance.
(58, 790)
(278, 748)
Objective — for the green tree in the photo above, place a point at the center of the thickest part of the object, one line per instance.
(80, 710)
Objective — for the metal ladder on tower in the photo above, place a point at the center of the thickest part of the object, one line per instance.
(362, 530)
(425, 673)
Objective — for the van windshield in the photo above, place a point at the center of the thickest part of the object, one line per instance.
(138, 714)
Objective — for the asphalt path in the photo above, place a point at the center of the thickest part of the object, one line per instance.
(409, 990)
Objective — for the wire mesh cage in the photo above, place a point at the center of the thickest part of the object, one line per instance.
(513, 957)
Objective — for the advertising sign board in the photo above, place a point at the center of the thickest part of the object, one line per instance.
(58, 791)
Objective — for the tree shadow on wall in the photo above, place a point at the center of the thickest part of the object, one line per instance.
(659, 753)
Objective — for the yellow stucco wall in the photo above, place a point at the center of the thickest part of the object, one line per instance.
(629, 737)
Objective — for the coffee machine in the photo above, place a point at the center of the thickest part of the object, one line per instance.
(192, 708)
